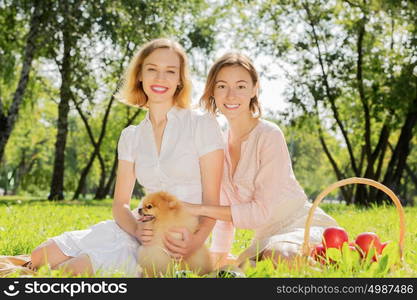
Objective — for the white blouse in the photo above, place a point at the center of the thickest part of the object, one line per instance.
(188, 135)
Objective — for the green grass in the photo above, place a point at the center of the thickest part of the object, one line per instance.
(27, 222)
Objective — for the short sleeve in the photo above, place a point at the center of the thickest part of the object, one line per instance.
(125, 145)
(208, 136)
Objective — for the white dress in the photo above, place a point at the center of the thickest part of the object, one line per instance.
(188, 135)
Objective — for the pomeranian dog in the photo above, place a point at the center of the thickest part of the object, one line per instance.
(165, 211)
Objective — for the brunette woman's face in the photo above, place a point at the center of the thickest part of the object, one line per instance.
(161, 75)
(233, 90)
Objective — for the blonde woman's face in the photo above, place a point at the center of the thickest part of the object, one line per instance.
(233, 90)
(161, 75)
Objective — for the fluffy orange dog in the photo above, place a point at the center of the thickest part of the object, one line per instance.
(165, 211)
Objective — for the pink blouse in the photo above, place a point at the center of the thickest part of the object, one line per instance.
(263, 192)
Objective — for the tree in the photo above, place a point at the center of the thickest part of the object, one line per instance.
(11, 27)
(27, 167)
(72, 23)
(352, 61)
(81, 50)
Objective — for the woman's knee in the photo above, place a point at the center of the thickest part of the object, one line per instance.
(38, 254)
(47, 253)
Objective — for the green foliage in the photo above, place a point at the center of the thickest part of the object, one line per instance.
(13, 29)
(350, 67)
(28, 161)
(101, 36)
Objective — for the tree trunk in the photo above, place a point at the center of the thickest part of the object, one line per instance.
(96, 145)
(110, 182)
(362, 195)
(83, 176)
(379, 151)
(100, 189)
(396, 166)
(412, 176)
(345, 190)
(8, 121)
(57, 184)
(365, 195)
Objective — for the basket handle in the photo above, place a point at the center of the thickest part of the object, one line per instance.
(352, 180)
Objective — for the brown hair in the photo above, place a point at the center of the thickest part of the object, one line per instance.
(227, 60)
(131, 91)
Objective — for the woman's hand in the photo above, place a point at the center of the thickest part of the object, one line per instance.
(180, 242)
(144, 232)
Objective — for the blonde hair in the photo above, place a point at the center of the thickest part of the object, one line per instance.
(131, 91)
(230, 59)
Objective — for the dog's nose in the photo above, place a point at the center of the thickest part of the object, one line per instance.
(140, 211)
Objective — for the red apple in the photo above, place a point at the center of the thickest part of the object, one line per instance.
(334, 237)
(367, 240)
(319, 253)
(382, 247)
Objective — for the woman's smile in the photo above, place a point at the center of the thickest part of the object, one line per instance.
(231, 106)
(159, 89)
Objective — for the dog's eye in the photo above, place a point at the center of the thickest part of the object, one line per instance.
(149, 206)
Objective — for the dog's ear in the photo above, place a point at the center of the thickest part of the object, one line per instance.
(172, 203)
(169, 199)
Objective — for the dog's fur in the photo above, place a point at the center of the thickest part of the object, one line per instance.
(166, 212)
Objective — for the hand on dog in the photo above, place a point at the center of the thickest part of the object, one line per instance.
(180, 248)
(144, 233)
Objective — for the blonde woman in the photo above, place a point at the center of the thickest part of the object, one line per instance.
(259, 190)
(173, 149)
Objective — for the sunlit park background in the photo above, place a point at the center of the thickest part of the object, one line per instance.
(339, 77)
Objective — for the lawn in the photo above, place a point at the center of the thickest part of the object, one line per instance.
(25, 223)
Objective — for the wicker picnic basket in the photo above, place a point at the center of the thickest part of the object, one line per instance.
(306, 245)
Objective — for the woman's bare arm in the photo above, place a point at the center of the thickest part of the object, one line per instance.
(125, 182)
(211, 166)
